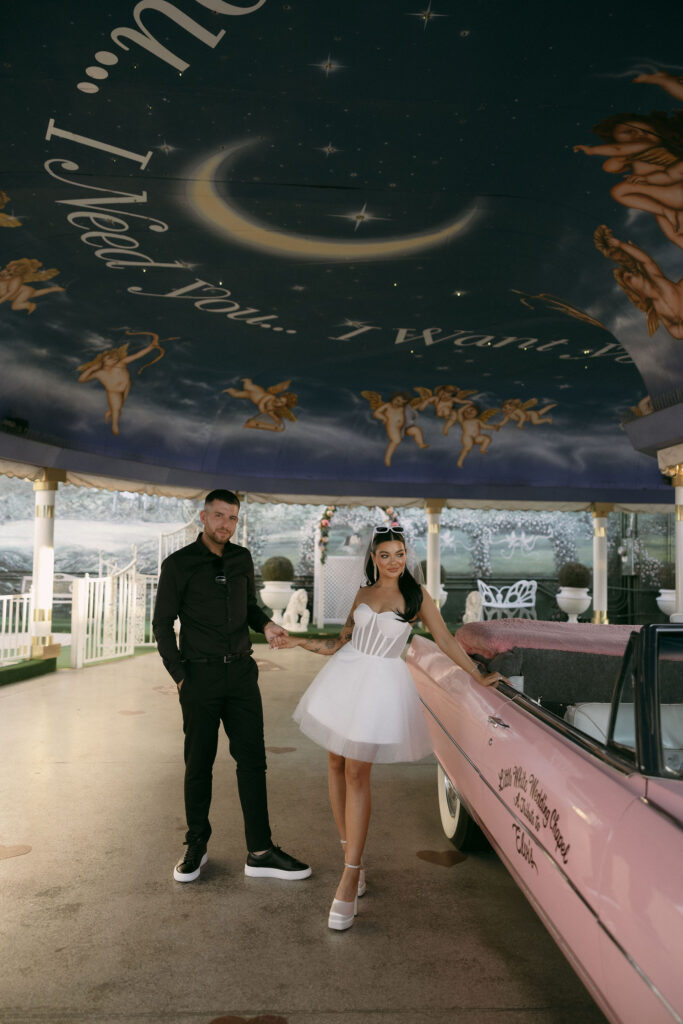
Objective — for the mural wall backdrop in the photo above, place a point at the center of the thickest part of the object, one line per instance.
(345, 247)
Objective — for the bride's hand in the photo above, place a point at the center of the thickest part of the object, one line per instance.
(290, 641)
(491, 679)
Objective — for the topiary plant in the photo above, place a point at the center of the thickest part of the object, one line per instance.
(277, 568)
(574, 574)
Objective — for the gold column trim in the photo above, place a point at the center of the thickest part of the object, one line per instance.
(433, 528)
(601, 509)
(679, 513)
(599, 531)
(42, 614)
(600, 617)
(45, 511)
(676, 472)
(434, 506)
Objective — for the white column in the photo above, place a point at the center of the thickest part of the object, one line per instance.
(676, 471)
(42, 645)
(434, 507)
(600, 516)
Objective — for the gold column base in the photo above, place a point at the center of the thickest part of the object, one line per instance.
(600, 617)
(41, 651)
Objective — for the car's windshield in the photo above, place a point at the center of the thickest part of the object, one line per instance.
(670, 691)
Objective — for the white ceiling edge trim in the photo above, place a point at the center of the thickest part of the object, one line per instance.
(672, 456)
(27, 471)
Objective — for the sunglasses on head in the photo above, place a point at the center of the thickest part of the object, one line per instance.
(387, 529)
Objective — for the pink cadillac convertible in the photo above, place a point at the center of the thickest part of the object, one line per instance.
(575, 776)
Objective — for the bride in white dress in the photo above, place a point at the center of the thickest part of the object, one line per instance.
(362, 706)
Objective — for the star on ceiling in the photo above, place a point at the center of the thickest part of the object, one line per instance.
(329, 149)
(328, 66)
(426, 15)
(360, 217)
(165, 148)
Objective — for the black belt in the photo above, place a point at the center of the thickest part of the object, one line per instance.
(224, 659)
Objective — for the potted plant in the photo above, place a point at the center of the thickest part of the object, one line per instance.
(573, 597)
(277, 574)
(666, 598)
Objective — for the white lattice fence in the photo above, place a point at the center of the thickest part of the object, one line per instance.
(176, 539)
(145, 595)
(15, 628)
(103, 617)
(336, 582)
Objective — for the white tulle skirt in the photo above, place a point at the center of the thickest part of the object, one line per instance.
(366, 708)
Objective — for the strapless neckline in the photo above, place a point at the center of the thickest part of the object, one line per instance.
(366, 605)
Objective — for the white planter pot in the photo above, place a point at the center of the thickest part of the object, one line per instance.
(574, 601)
(275, 594)
(666, 601)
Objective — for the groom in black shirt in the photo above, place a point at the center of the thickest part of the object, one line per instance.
(209, 585)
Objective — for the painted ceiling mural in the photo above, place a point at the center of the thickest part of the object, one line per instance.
(350, 248)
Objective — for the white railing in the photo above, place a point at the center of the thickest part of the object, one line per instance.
(145, 596)
(170, 542)
(335, 584)
(103, 617)
(15, 628)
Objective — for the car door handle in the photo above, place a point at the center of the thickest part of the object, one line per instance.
(495, 722)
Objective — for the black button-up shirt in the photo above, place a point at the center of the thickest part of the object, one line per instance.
(215, 598)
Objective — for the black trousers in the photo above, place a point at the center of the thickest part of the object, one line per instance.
(211, 694)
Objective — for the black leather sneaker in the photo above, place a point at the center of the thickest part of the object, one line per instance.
(187, 869)
(275, 863)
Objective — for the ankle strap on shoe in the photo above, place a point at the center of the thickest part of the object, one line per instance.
(352, 865)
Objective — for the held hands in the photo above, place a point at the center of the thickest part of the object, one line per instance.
(276, 635)
(288, 642)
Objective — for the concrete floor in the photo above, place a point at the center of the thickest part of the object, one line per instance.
(94, 929)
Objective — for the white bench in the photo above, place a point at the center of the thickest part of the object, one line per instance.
(515, 600)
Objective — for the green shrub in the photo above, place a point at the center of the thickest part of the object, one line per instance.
(574, 574)
(277, 568)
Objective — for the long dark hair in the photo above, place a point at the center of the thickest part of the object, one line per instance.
(407, 584)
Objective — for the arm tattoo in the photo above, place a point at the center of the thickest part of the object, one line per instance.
(331, 645)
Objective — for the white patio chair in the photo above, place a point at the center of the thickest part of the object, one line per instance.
(515, 600)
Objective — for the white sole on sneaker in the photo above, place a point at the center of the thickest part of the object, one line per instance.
(292, 876)
(192, 874)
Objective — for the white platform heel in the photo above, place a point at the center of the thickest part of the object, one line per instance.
(343, 912)
(361, 877)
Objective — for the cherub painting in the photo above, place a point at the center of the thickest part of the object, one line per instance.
(6, 219)
(399, 417)
(15, 284)
(648, 151)
(274, 404)
(642, 408)
(673, 84)
(523, 412)
(557, 305)
(644, 283)
(473, 420)
(443, 398)
(110, 368)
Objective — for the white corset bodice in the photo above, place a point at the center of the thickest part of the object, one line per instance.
(379, 633)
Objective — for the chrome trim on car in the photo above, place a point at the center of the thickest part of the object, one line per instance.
(653, 988)
(649, 802)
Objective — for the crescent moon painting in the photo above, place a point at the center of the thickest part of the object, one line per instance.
(223, 216)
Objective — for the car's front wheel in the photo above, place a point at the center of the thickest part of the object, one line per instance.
(456, 821)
